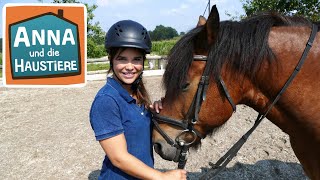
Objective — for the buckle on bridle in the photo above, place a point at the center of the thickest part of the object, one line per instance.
(204, 80)
(193, 121)
(182, 141)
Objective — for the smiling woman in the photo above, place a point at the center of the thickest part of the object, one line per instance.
(119, 116)
(128, 65)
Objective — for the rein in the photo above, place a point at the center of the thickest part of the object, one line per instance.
(193, 115)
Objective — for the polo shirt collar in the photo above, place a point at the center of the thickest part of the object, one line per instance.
(122, 91)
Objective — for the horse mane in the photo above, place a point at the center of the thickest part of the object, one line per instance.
(241, 45)
(179, 61)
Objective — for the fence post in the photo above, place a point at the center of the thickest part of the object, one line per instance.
(163, 62)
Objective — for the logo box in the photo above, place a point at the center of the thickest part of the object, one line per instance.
(44, 45)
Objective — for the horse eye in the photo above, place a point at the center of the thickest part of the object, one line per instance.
(185, 87)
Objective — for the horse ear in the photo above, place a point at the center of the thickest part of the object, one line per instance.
(202, 21)
(213, 24)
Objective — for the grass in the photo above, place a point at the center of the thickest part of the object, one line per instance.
(96, 67)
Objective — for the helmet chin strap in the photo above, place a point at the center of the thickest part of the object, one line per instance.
(136, 82)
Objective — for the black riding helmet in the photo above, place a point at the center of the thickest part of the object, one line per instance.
(128, 33)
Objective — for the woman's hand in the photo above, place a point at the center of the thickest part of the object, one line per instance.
(157, 106)
(177, 174)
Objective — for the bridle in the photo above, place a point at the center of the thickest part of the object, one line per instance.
(192, 116)
(194, 109)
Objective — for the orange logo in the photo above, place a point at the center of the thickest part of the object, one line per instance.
(44, 45)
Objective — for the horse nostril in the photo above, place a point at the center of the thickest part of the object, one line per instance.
(157, 147)
(166, 152)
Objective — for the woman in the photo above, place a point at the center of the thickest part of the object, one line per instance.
(118, 115)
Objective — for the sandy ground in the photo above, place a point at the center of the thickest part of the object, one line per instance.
(46, 134)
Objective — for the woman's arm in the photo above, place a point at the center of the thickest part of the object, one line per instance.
(116, 150)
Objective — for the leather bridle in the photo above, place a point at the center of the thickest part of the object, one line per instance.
(192, 116)
(194, 109)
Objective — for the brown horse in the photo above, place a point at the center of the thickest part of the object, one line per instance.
(248, 62)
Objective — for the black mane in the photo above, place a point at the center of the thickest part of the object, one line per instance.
(241, 45)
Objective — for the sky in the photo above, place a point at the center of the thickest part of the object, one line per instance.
(181, 15)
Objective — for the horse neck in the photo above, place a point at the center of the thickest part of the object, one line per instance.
(251, 93)
(243, 90)
(299, 103)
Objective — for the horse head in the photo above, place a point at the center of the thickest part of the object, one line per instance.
(182, 78)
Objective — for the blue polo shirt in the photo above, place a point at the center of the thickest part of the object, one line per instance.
(113, 112)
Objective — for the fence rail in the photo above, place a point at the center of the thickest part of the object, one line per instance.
(154, 62)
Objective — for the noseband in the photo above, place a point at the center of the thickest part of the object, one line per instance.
(194, 109)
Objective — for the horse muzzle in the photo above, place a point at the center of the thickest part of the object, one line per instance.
(166, 151)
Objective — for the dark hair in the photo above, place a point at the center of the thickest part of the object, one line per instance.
(243, 46)
(139, 89)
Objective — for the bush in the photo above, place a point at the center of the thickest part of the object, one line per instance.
(163, 47)
(94, 50)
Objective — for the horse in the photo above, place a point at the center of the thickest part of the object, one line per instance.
(269, 62)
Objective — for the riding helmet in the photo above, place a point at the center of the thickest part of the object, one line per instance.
(128, 33)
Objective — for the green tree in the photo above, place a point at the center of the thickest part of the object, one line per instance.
(94, 30)
(306, 8)
(161, 33)
(95, 34)
(0, 45)
(95, 50)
